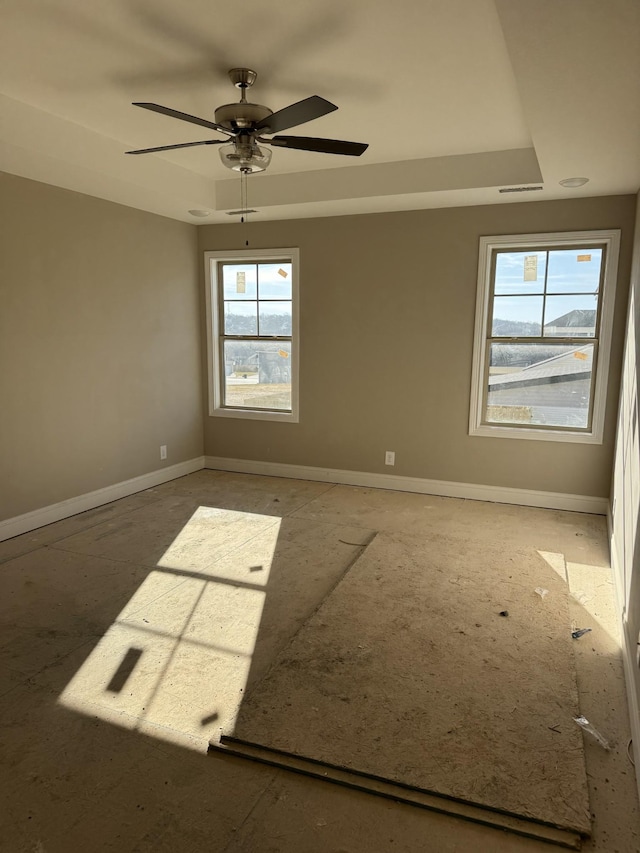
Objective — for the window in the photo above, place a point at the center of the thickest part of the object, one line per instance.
(543, 329)
(252, 333)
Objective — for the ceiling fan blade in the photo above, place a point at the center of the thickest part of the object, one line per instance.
(295, 114)
(324, 146)
(180, 145)
(166, 111)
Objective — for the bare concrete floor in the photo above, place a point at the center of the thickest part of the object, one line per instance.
(105, 751)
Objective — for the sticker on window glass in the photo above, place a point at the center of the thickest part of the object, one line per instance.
(283, 353)
(530, 268)
(283, 273)
(241, 282)
(581, 355)
(584, 258)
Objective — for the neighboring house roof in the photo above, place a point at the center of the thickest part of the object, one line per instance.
(577, 317)
(576, 364)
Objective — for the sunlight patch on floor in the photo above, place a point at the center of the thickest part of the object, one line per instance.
(175, 662)
(556, 562)
(211, 534)
(584, 582)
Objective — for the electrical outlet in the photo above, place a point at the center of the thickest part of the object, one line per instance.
(390, 457)
(163, 451)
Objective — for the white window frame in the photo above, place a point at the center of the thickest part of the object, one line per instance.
(211, 260)
(611, 239)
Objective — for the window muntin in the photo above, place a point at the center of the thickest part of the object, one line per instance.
(538, 356)
(252, 332)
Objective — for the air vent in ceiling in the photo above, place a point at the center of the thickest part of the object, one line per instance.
(519, 189)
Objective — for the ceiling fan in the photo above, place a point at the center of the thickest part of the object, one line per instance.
(244, 125)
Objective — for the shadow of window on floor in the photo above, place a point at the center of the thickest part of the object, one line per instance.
(124, 671)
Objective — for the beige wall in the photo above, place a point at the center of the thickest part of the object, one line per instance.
(387, 319)
(99, 344)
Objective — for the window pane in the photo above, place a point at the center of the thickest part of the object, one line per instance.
(275, 318)
(574, 271)
(257, 375)
(517, 316)
(274, 281)
(240, 281)
(241, 318)
(520, 272)
(570, 316)
(544, 384)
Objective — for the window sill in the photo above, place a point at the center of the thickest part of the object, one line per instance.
(535, 434)
(255, 415)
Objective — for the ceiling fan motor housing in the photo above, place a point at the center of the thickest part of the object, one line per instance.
(241, 115)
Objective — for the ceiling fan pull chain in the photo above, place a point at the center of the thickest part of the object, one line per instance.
(244, 204)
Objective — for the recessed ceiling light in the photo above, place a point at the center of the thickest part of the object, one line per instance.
(200, 213)
(571, 183)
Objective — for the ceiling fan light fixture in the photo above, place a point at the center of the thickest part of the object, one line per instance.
(245, 157)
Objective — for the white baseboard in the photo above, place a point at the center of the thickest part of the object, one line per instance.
(497, 494)
(472, 491)
(629, 652)
(55, 512)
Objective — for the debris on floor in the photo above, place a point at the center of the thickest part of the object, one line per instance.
(579, 632)
(586, 726)
(541, 591)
